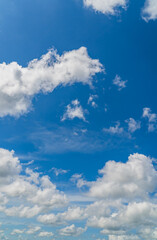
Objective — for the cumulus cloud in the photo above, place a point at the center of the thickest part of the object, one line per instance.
(106, 6)
(19, 84)
(114, 130)
(72, 214)
(151, 117)
(72, 230)
(135, 215)
(133, 125)
(149, 11)
(119, 82)
(123, 199)
(135, 178)
(74, 110)
(38, 191)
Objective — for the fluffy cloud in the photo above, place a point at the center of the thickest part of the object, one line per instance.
(119, 82)
(135, 215)
(149, 11)
(152, 119)
(39, 192)
(72, 230)
(19, 84)
(135, 178)
(133, 125)
(72, 214)
(74, 110)
(106, 6)
(114, 130)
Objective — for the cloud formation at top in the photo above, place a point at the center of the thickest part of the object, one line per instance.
(149, 11)
(105, 6)
(19, 84)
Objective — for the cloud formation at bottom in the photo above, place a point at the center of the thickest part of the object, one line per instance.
(124, 204)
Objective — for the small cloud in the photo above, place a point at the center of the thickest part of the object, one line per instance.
(152, 119)
(59, 171)
(106, 7)
(119, 82)
(114, 129)
(91, 101)
(133, 125)
(33, 230)
(72, 230)
(74, 110)
(45, 234)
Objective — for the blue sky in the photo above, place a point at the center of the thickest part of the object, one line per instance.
(77, 90)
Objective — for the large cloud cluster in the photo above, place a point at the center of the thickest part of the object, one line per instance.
(19, 84)
(37, 191)
(124, 201)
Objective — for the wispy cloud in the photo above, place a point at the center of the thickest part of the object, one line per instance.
(119, 82)
(152, 119)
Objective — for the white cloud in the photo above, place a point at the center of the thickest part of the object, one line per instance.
(136, 215)
(124, 237)
(39, 192)
(135, 178)
(45, 234)
(33, 230)
(133, 125)
(114, 130)
(72, 230)
(19, 84)
(119, 82)
(59, 171)
(149, 11)
(17, 231)
(106, 6)
(91, 101)
(74, 110)
(72, 214)
(152, 119)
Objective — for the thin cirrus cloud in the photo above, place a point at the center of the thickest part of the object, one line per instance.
(117, 81)
(110, 7)
(19, 84)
